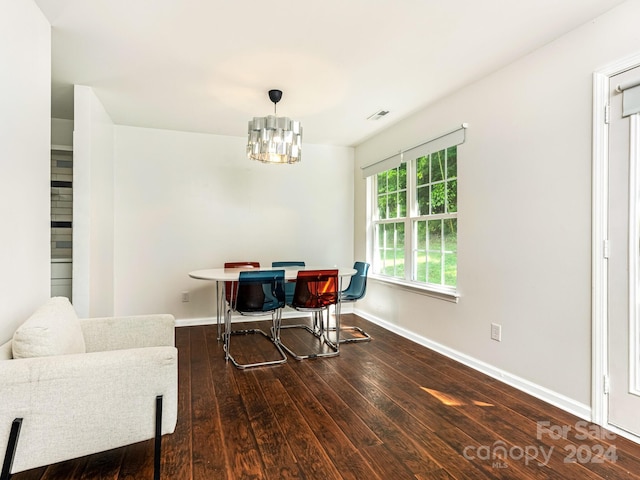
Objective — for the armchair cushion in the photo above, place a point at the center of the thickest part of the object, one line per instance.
(136, 331)
(53, 329)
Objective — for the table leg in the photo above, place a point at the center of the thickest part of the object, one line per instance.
(219, 306)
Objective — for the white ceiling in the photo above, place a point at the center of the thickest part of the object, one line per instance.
(206, 65)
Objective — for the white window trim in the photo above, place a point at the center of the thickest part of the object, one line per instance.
(430, 290)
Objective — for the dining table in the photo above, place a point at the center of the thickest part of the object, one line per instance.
(223, 275)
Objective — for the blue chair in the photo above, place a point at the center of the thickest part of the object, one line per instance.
(289, 286)
(258, 292)
(355, 291)
(229, 286)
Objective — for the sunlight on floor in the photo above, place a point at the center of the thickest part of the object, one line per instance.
(453, 401)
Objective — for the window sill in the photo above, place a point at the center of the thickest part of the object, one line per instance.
(449, 295)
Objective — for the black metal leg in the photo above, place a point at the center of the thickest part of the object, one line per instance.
(11, 449)
(158, 439)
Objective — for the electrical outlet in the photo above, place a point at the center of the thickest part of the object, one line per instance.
(185, 296)
(496, 332)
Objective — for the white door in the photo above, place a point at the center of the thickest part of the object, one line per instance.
(624, 260)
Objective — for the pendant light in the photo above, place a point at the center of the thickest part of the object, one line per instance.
(274, 139)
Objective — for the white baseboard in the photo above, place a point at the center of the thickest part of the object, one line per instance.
(194, 322)
(561, 401)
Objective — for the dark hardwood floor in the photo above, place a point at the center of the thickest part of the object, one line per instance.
(387, 409)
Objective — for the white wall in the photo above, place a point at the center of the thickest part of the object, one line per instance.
(524, 212)
(93, 220)
(187, 201)
(25, 96)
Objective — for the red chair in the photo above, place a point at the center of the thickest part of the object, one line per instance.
(316, 291)
(229, 286)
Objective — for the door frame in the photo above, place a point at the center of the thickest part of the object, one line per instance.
(599, 246)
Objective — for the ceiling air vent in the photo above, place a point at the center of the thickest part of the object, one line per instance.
(378, 115)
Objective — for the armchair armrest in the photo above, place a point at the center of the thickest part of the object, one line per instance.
(78, 404)
(137, 331)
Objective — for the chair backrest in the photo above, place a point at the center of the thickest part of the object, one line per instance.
(288, 264)
(316, 289)
(290, 285)
(358, 284)
(228, 286)
(260, 291)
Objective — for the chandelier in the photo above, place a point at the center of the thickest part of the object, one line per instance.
(274, 139)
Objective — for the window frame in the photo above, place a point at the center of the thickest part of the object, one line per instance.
(410, 220)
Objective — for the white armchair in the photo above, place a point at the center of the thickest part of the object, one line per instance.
(72, 387)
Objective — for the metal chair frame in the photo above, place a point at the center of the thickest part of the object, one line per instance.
(320, 301)
(355, 291)
(271, 284)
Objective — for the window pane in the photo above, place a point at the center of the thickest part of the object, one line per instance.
(420, 272)
(402, 176)
(422, 171)
(452, 196)
(435, 235)
(392, 179)
(434, 268)
(389, 235)
(386, 260)
(421, 235)
(393, 206)
(450, 231)
(452, 162)
(423, 200)
(382, 182)
(420, 252)
(390, 257)
(382, 206)
(402, 203)
(400, 250)
(400, 237)
(451, 269)
(437, 198)
(437, 166)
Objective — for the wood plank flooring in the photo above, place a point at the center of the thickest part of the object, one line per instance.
(387, 409)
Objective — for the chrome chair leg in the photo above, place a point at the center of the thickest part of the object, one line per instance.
(363, 336)
(319, 331)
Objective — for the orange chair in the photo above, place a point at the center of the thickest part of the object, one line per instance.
(315, 292)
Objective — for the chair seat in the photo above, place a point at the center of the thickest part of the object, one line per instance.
(349, 298)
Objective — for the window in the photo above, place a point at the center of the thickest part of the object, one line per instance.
(414, 220)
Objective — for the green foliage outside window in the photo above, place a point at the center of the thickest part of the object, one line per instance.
(433, 230)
